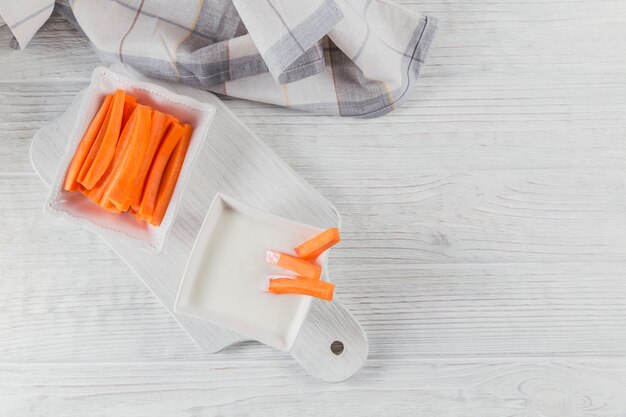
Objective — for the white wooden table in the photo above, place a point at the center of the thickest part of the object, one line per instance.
(484, 242)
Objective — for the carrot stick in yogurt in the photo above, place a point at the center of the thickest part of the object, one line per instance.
(297, 265)
(303, 286)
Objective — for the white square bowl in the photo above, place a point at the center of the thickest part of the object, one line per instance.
(76, 208)
(226, 277)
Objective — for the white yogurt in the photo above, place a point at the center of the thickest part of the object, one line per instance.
(226, 277)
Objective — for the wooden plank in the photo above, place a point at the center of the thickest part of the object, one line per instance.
(489, 388)
(24, 109)
(457, 127)
(489, 216)
(415, 267)
(85, 314)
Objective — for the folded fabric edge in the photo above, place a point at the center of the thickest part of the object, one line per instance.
(424, 38)
(301, 41)
(23, 26)
(371, 106)
(298, 71)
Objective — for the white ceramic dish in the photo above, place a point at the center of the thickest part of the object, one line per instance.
(75, 208)
(226, 275)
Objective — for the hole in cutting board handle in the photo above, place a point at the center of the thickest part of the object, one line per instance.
(337, 347)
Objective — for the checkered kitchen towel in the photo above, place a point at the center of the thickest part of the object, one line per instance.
(338, 57)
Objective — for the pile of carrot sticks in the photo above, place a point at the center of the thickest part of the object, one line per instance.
(129, 158)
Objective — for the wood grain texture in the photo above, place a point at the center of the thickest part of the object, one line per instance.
(483, 233)
(385, 388)
(417, 310)
(444, 140)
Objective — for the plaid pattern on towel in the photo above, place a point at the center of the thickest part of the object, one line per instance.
(338, 57)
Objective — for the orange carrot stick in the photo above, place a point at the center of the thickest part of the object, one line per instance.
(82, 190)
(171, 120)
(130, 103)
(103, 186)
(297, 265)
(160, 123)
(97, 192)
(301, 285)
(121, 187)
(85, 146)
(89, 176)
(94, 148)
(153, 181)
(170, 176)
(107, 205)
(319, 244)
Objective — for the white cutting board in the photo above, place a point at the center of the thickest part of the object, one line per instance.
(234, 162)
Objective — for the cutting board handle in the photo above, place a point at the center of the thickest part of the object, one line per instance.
(331, 344)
